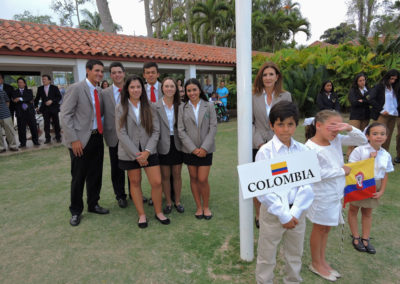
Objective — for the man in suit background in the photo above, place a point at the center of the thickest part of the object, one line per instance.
(112, 97)
(9, 90)
(83, 135)
(50, 107)
(153, 86)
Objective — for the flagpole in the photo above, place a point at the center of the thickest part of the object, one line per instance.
(244, 117)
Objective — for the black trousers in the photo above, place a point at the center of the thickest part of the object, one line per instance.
(117, 175)
(87, 168)
(53, 115)
(27, 118)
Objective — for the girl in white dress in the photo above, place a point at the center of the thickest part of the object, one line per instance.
(326, 210)
(377, 135)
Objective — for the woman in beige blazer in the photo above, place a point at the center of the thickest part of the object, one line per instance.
(197, 127)
(138, 131)
(267, 91)
(169, 145)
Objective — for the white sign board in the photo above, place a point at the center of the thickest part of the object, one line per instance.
(279, 175)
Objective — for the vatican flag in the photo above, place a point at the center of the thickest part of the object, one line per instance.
(360, 183)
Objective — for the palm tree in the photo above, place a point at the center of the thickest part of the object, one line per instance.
(209, 16)
(298, 24)
(92, 22)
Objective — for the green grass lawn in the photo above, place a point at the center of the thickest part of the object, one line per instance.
(37, 244)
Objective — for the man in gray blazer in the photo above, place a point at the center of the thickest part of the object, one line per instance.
(83, 135)
(111, 97)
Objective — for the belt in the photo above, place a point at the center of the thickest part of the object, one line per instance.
(95, 131)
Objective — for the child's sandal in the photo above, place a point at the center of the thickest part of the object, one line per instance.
(369, 248)
(360, 245)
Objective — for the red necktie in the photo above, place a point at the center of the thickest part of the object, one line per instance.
(152, 95)
(98, 113)
(119, 90)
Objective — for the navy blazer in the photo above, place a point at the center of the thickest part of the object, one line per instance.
(324, 103)
(53, 94)
(27, 99)
(359, 110)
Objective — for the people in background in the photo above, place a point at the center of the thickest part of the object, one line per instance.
(104, 84)
(223, 93)
(208, 88)
(327, 98)
(9, 91)
(7, 124)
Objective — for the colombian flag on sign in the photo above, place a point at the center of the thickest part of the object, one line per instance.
(360, 183)
(279, 168)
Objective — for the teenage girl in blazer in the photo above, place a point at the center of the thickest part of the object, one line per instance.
(267, 91)
(169, 145)
(385, 103)
(327, 98)
(359, 110)
(138, 132)
(197, 127)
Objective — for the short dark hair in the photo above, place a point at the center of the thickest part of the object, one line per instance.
(92, 62)
(48, 76)
(148, 65)
(117, 64)
(283, 110)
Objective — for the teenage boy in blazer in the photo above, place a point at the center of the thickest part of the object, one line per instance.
(111, 98)
(50, 107)
(81, 121)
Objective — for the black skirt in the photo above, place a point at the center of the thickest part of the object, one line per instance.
(133, 165)
(174, 157)
(193, 160)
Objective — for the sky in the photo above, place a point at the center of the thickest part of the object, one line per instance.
(322, 14)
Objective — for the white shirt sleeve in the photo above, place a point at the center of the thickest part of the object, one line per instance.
(304, 198)
(354, 138)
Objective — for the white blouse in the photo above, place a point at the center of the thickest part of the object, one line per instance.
(170, 115)
(383, 160)
(330, 158)
(196, 111)
(136, 111)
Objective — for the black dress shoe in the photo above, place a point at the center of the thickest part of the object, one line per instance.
(36, 143)
(47, 141)
(144, 198)
(122, 203)
(397, 160)
(179, 208)
(2, 151)
(208, 217)
(75, 220)
(14, 149)
(150, 202)
(164, 222)
(142, 225)
(257, 223)
(22, 145)
(99, 210)
(167, 209)
(199, 216)
(58, 140)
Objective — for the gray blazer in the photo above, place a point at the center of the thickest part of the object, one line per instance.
(262, 131)
(77, 114)
(163, 146)
(110, 132)
(132, 135)
(202, 136)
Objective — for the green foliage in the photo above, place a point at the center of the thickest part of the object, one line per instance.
(304, 70)
(26, 16)
(340, 34)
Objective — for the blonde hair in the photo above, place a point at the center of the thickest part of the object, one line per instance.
(321, 116)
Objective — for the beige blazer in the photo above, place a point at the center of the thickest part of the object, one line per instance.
(77, 114)
(109, 104)
(164, 142)
(132, 135)
(262, 131)
(202, 136)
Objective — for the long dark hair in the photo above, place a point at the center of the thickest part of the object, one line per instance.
(146, 119)
(386, 78)
(355, 81)
(258, 85)
(177, 97)
(196, 82)
(323, 87)
(321, 116)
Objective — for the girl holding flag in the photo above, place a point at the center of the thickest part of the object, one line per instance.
(326, 210)
(377, 135)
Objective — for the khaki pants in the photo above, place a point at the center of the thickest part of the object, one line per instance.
(390, 122)
(8, 126)
(359, 124)
(398, 138)
(271, 233)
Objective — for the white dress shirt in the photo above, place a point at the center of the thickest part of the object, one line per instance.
(91, 89)
(156, 90)
(117, 95)
(196, 111)
(267, 106)
(300, 197)
(46, 89)
(136, 111)
(170, 116)
(383, 160)
(390, 103)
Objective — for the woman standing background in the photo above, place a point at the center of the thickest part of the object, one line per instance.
(359, 110)
(138, 132)
(327, 98)
(267, 91)
(169, 145)
(197, 127)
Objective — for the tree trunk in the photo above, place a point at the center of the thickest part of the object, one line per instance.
(77, 13)
(148, 18)
(188, 19)
(361, 11)
(370, 11)
(105, 16)
(157, 13)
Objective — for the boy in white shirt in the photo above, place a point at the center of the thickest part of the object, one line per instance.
(279, 220)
